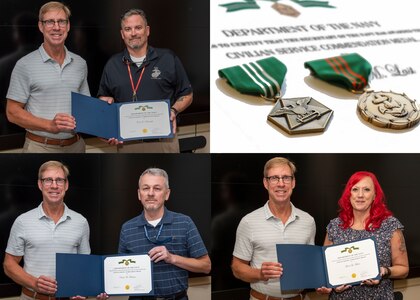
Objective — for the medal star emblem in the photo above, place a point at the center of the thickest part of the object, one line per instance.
(300, 115)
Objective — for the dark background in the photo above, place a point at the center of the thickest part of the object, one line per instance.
(103, 188)
(237, 189)
(182, 25)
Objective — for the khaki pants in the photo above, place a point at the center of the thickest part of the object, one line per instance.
(35, 147)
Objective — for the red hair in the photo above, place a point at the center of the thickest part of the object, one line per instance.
(378, 210)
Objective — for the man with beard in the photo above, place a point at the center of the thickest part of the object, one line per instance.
(170, 239)
(140, 73)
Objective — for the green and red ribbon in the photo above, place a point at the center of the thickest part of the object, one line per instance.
(263, 77)
(351, 71)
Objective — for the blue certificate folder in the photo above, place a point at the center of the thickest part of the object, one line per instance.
(305, 266)
(99, 118)
(83, 275)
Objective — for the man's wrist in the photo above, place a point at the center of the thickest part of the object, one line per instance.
(176, 112)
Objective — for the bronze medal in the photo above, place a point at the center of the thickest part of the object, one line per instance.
(388, 110)
(300, 115)
(286, 10)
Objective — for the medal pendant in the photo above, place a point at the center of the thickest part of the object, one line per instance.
(285, 10)
(388, 110)
(300, 115)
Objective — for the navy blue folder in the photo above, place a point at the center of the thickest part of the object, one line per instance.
(304, 266)
(82, 275)
(99, 118)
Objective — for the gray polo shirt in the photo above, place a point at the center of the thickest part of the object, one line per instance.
(45, 87)
(260, 231)
(36, 237)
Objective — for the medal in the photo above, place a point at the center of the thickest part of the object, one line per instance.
(286, 10)
(300, 115)
(381, 109)
(388, 110)
(264, 78)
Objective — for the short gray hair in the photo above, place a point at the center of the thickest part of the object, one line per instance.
(157, 172)
(133, 12)
(54, 5)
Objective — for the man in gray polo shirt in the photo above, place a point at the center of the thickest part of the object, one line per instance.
(277, 222)
(40, 233)
(39, 95)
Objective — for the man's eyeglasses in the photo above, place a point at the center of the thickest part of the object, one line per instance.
(51, 23)
(156, 240)
(49, 181)
(275, 179)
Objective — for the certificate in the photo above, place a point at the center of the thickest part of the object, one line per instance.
(309, 266)
(90, 275)
(123, 121)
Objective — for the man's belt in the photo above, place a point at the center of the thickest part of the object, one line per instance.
(39, 296)
(50, 141)
(176, 296)
(261, 296)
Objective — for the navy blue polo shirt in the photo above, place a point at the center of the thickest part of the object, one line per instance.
(178, 234)
(164, 77)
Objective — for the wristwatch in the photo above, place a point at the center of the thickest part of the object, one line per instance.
(175, 111)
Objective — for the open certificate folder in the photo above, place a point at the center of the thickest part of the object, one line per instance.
(123, 121)
(309, 266)
(90, 275)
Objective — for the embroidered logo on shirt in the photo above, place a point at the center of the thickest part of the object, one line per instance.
(156, 73)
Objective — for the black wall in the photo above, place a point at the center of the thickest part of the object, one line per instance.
(103, 188)
(320, 180)
(182, 25)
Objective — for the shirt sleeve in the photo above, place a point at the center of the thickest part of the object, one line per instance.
(16, 242)
(183, 85)
(196, 247)
(84, 247)
(19, 87)
(243, 246)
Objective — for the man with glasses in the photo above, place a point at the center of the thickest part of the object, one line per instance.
(277, 222)
(39, 95)
(170, 239)
(37, 235)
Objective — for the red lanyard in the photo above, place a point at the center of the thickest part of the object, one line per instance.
(138, 81)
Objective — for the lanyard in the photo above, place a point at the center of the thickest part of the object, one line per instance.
(156, 240)
(132, 83)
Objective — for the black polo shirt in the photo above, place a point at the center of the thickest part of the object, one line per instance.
(164, 77)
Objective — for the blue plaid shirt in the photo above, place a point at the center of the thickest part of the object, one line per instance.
(182, 238)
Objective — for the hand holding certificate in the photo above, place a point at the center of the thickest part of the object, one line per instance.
(123, 121)
(90, 275)
(309, 266)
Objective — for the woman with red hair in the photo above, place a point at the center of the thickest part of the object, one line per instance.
(363, 214)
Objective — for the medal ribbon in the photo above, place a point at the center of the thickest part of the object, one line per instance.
(350, 70)
(132, 82)
(263, 77)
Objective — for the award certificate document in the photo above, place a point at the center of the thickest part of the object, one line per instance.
(386, 34)
(124, 121)
(90, 275)
(309, 266)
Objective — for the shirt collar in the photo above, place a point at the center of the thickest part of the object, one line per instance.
(42, 214)
(268, 214)
(166, 219)
(45, 57)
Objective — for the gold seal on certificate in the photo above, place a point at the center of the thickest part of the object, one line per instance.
(300, 115)
(388, 110)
